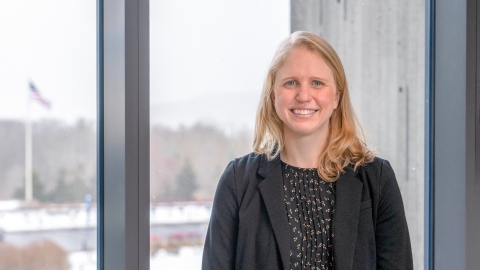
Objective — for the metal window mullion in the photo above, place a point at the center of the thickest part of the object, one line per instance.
(124, 230)
(472, 199)
(100, 135)
(429, 133)
(456, 188)
(144, 133)
(449, 134)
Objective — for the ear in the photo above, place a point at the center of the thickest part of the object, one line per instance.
(336, 99)
(272, 97)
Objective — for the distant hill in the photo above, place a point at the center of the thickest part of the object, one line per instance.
(64, 158)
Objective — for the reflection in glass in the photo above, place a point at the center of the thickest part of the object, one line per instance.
(48, 135)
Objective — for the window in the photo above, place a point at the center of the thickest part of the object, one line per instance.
(48, 134)
(208, 62)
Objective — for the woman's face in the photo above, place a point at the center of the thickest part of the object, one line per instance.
(304, 93)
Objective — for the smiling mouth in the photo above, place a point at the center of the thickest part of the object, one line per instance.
(304, 112)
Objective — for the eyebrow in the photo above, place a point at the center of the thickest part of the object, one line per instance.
(295, 78)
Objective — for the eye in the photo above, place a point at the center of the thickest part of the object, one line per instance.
(291, 83)
(317, 83)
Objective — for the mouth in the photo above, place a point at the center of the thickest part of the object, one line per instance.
(303, 112)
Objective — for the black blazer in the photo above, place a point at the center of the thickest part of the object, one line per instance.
(249, 228)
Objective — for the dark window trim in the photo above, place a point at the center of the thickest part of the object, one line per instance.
(429, 133)
(472, 136)
(452, 192)
(100, 137)
(123, 135)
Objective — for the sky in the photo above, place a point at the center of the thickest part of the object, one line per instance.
(208, 59)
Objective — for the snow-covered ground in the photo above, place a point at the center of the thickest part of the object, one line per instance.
(46, 219)
(188, 258)
(83, 260)
(78, 217)
(180, 214)
(65, 220)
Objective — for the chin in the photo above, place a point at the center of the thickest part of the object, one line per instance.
(304, 133)
(305, 130)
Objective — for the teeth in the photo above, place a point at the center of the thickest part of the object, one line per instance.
(303, 111)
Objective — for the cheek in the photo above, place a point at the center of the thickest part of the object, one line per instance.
(278, 100)
(277, 105)
(330, 99)
(273, 97)
(274, 100)
(280, 105)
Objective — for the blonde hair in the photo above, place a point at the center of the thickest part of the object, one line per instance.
(346, 141)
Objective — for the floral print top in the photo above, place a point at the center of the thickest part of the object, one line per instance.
(310, 205)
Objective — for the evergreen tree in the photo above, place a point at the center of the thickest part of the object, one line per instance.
(68, 191)
(37, 186)
(185, 182)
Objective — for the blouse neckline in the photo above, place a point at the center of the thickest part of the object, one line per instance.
(297, 168)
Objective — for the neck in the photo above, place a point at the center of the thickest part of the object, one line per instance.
(303, 151)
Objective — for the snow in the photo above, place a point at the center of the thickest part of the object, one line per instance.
(188, 258)
(83, 260)
(9, 205)
(79, 217)
(18, 221)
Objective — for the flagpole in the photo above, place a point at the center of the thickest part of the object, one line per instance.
(33, 94)
(28, 154)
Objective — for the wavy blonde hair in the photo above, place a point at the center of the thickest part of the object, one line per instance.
(346, 141)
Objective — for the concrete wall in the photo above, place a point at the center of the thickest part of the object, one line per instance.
(382, 46)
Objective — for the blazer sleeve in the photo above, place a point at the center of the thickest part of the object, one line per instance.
(392, 238)
(221, 240)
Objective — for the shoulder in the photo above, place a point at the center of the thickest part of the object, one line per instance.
(242, 168)
(250, 159)
(246, 164)
(379, 172)
(376, 164)
(239, 175)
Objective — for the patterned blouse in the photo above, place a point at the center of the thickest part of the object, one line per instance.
(310, 207)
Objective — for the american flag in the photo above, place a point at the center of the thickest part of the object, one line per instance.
(35, 95)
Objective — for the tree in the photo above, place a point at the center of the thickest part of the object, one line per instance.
(185, 182)
(37, 186)
(68, 191)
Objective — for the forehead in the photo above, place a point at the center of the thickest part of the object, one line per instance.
(304, 61)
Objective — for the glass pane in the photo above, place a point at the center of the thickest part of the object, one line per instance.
(208, 63)
(48, 134)
(382, 47)
(207, 67)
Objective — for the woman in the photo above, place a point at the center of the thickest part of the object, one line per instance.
(312, 195)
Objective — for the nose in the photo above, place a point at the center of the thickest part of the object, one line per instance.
(303, 94)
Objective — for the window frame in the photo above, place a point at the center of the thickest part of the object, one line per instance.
(452, 182)
(123, 230)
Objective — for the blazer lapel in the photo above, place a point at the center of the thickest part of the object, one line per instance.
(271, 189)
(348, 193)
